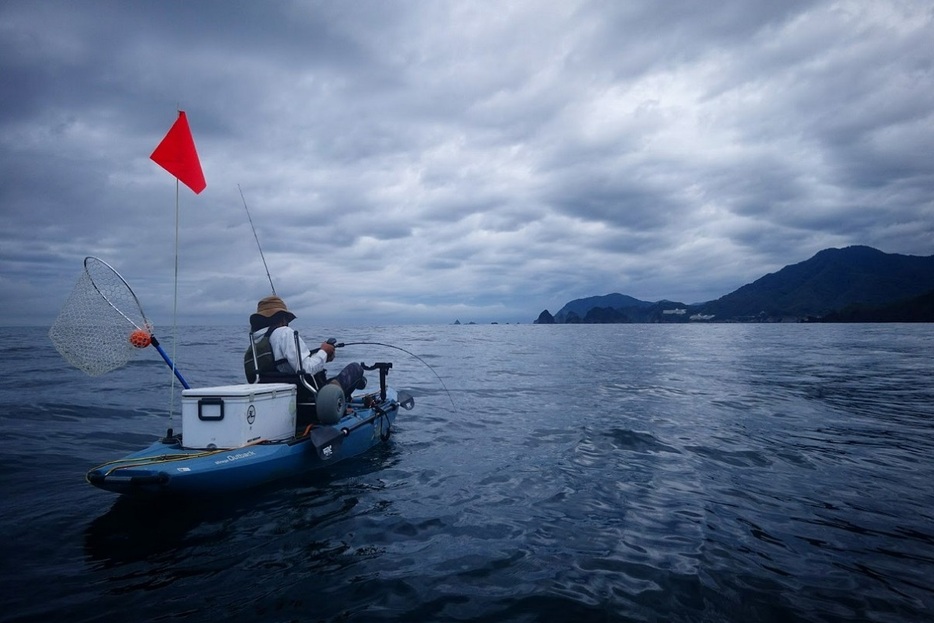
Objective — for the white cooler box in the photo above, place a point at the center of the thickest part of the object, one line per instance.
(230, 416)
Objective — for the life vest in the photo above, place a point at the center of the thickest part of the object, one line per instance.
(265, 359)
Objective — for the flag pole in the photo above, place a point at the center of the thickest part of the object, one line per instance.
(175, 308)
(177, 154)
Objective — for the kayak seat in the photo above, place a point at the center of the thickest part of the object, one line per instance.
(307, 386)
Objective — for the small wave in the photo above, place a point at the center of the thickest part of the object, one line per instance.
(625, 439)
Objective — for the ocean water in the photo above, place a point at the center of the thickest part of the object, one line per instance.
(735, 473)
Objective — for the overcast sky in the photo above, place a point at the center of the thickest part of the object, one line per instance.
(422, 162)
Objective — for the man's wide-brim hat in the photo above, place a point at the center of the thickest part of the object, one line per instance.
(272, 305)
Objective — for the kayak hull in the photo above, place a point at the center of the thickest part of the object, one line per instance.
(167, 467)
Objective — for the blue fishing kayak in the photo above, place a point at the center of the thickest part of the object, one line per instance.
(172, 466)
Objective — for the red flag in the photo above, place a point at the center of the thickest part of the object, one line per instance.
(177, 155)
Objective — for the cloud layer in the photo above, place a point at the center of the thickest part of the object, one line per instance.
(415, 162)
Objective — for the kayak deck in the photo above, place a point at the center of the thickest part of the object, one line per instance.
(167, 466)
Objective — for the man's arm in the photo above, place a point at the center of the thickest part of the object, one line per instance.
(283, 347)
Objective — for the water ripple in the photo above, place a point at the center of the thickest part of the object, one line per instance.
(609, 473)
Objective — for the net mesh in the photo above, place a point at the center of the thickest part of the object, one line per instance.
(92, 331)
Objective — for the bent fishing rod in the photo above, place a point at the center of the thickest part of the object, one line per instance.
(332, 341)
(407, 352)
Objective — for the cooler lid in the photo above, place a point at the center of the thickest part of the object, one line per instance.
(243, 390)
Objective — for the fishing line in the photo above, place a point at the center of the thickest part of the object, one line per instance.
(341, 344)
(268, 276)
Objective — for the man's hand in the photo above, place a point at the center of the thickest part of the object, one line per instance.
(329, 349)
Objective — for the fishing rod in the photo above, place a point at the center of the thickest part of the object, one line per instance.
(332, 341)
(342, 344)
(268, 276)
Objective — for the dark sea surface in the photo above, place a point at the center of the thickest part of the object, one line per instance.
(588, 473)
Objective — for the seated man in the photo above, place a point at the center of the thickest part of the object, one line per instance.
(276, 349)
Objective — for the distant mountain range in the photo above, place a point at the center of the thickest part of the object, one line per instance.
(854, 284)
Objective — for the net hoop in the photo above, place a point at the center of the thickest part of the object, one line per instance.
(92, 329)
(106, 275)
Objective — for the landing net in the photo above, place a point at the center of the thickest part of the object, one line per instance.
(94, 328)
